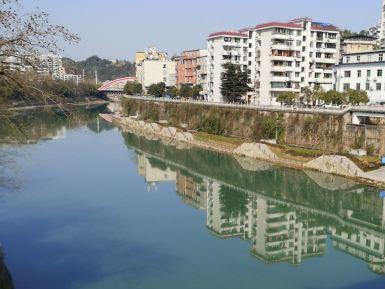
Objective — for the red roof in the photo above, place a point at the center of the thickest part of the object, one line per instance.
(324, 28)
(227, 33)
(279, 24)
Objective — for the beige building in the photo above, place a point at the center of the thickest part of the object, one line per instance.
(153, 67)
(358, 43)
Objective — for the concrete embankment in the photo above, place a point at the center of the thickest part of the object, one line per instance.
(332, 164)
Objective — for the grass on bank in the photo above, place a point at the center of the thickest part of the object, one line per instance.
(299, 154)
(232, 142)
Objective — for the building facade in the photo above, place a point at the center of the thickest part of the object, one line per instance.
(186, 68)
(224, 47)
(287, 57)
(358, 43)
(155, 68)
(280, 57)
(363, 71)
(382, 25)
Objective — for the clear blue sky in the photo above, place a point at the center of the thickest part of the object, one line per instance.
(117, 28)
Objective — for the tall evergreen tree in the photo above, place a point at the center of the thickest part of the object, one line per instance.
(234, 83)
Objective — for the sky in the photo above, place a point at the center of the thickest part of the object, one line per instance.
(116, 29)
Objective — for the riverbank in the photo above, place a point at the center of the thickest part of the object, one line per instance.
(332, 164)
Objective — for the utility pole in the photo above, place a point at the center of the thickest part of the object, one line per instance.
(96, 77)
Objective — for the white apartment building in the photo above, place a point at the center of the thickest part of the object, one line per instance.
(363, 71)
(382, 25)
(224, 47)
(290, 56)
(202, 70)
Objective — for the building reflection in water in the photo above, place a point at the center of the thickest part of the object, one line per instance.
(278, 231)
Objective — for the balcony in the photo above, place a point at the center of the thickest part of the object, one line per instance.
(283, 58)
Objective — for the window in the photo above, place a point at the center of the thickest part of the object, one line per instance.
(379, 73)
(318, 55)
(346, 86)
(368, 73)
(358, 86)
(227, 39)
(347, 59)
(378, 86)
(367, 86)
(358, 58)
(250, 45)
(380, 57)
(347, 73)
(358, 73)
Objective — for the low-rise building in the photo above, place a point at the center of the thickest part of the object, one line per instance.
(362, 71)
(358, 43)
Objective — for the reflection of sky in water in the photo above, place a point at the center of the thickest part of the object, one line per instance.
(84, 219)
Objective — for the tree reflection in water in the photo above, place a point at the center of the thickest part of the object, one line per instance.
(287, 215)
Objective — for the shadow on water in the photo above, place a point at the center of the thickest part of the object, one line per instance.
(286, 215)
(5, 276)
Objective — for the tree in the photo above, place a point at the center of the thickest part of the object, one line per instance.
(24, 37)
(157, 89)
(196, 91)
(234, 83)
(133, 88)
(287, 97)
(172, 92)
(334, 97)
(318, 94)
(186, 91)
(356, 97)
(307, 95)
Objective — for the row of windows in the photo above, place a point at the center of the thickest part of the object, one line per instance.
(348, 73)
(369, 58)
(367, 86)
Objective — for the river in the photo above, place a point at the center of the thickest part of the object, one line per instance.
(85, 205)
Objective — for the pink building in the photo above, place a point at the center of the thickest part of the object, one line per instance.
(186, 68)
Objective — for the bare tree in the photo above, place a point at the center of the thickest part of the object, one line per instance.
(24, 37)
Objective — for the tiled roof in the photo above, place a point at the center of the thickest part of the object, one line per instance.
(279, 24)
(227, 33)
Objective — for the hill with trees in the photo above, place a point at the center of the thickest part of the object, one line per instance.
(107, 69)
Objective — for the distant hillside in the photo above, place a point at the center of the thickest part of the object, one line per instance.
(107, 70)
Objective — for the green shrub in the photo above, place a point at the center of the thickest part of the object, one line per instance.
(211, 124)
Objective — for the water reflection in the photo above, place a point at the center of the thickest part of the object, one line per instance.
(5, 276)
(285, 215)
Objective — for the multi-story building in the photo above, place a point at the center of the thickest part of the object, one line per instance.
(358, 43)
(186, 68)
(279, 57)
(290, 56)
(382, 25)
(153, 67)
(362, 71)
(151, 53)
(191, 69)
(224, 47)
(155, 71)
(202, 72)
